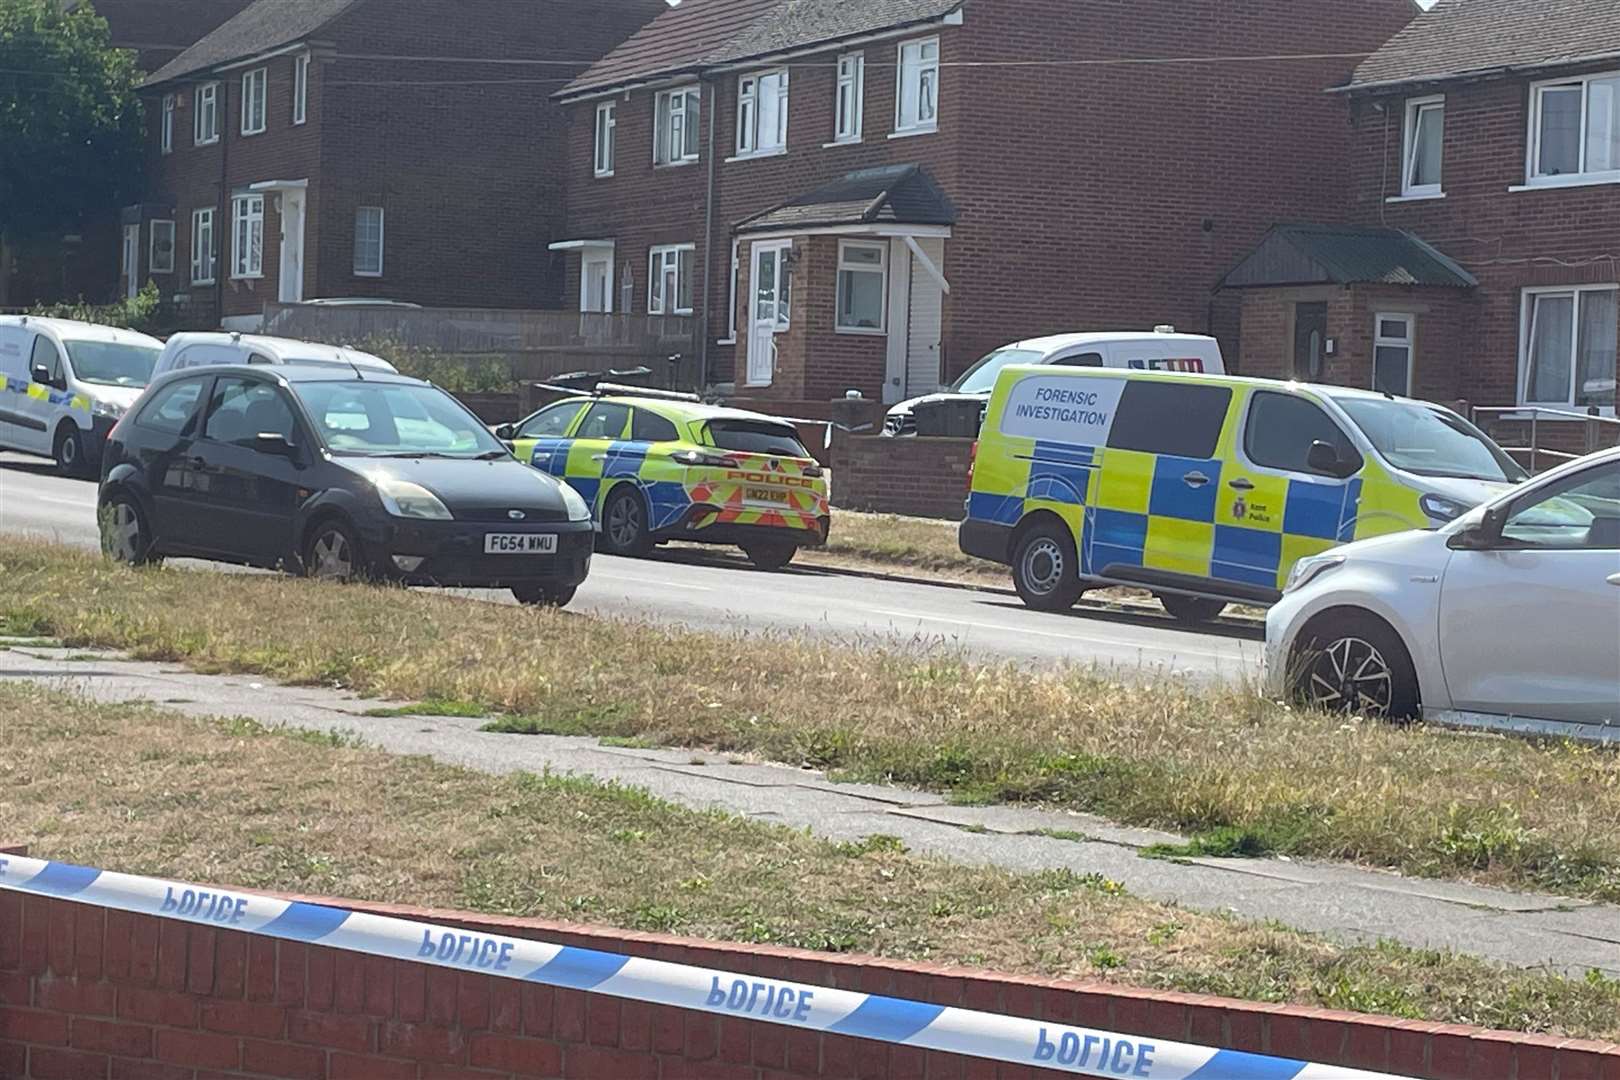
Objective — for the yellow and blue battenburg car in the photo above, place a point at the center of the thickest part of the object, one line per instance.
(1204, 489)
(658, 466)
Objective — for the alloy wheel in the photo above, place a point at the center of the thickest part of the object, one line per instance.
(333, 557)
(1351, 675)
(624, 523)
(123, 532)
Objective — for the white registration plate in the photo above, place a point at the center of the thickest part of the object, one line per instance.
(520, 543)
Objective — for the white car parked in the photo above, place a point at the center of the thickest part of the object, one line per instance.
(191, 350)
(1507, 618)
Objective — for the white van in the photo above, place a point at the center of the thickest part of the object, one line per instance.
(1161, 350)
(64, 384)
(208, 349)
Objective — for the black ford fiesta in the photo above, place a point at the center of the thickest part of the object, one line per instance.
(336, 473)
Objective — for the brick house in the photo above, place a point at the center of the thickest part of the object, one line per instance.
(871, 196)
(1475, 256)
(353, 148)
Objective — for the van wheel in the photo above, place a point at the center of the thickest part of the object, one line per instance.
(624, 523)
(1192, 609)
(68, 450)
(1354, 663)
(1045, 568)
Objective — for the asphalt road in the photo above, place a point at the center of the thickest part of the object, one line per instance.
(699, 588)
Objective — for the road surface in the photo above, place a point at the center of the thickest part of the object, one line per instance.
(698, 588)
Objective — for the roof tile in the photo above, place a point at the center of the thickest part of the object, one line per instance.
(258, 28)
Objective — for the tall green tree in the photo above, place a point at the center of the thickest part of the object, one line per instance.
(70, 120)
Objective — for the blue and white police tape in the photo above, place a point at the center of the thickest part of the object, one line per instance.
(1082, 1051)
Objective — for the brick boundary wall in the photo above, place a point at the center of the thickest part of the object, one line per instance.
(915, 476)
(89, 992)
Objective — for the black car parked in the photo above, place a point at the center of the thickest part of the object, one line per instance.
(336, 473)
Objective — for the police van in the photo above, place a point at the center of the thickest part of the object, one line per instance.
(64, 384)
(1204, 489)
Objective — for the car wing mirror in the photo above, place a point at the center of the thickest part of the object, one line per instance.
(40, 373)
(1323, 457)
(1483, 535)
(278, 445)
(506, 432)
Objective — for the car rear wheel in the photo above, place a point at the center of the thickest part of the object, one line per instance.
(1356, 664)
(68, 450)
(125, 535)
(770, 556)
(1046, 569)
(1192, 609)
(544, 595)
(333, 553)
(624, 524)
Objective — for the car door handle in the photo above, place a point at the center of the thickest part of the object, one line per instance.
(599, 457)
(1195, 479)
(1614, 579)
(197, 462)
(1241, 485)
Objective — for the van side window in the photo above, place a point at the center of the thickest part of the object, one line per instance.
(1181, 419)
(174, 408)
(1281, 428)
(1085, 359)
(650, 427)
(48, 356)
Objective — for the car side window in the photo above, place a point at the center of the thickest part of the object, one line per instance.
(1281, 427)
(240, 410)
(1580, 513)
(48, 356)
(1085, 359)
(1143, 421)
(551, 422)
(650, 427)
(606, 420)
(173, 409)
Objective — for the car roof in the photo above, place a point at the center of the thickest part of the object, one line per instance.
(299, 373)
(73, 330)
(1054, 342)
(684, 410)
(1326, 390)
(289, 350)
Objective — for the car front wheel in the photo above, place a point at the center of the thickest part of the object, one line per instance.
(125, 535)
(333, 553)
(1356, 664)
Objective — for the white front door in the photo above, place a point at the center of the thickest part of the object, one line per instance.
(596, 285)
(292, 247)
(925, 326)
(768, 316)
(132, 260)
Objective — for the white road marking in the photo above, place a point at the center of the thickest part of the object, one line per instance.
(91, 505)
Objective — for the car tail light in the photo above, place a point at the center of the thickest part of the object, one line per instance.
(698, 457)
(813, 471)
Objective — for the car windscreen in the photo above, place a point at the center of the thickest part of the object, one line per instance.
(395, 420)
(981, 377)
(1429, 441)
(112, 363)
(756, 437)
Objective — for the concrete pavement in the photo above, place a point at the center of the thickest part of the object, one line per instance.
(1344, 903)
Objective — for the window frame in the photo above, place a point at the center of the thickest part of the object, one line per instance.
(605, 139)
(166, 126)
(260, 78)
(1527, 315)
(751, 113)
(662, 253)
(1546, 493)
(663, 124)
(862, 268)
(1409, 343)
(208, 91)
(212, 410)
(579, 428)
(1345, 442)
(381, 237)
(199, 253)
(1415, 108)
(1533, 177)
(240, 218)
(579, 410)
(152, 264)
(640, 415)
(204, 385)
(852, 81)
(916, 127)
(300, 109)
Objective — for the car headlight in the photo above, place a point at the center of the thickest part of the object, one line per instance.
(1308, 570)
(403, 498)
(109, 409)
(578, 508)
(1441, 509)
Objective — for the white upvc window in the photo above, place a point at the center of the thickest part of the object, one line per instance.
(160, 256)
(1575, 130)
(247, 235)
(300, 89)
(1392, 353)
(731, 306)
(762, 113)
(607, 124)
(916, 99)
(368, 241)
(205, 115)
(166, 131)
(1567, 353)
(254, 90)
(851, 101)
(676, 125)
(1423, 147)
(863, 286)
(202, 246)
(669, 279)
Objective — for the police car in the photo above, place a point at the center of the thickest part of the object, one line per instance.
(657, 466)
(1205, 489)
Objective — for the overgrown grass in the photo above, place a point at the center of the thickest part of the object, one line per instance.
(1218, 764)
(227, 801)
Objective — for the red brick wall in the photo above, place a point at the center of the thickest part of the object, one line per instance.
(919, 477)
(86, 992)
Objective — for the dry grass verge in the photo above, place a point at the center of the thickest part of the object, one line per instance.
(144, 791)
(1243, 773)
(920, 547)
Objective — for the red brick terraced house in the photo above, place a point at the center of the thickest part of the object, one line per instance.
(399, 149)
(1476, 256)
(870, 196)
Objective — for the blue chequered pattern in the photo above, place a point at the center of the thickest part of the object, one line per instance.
(551, 456)
(996, 509)
(624, 460)
(668, 500)
(1247, 555)
(1059, 473)
(1352, 507)
(1113, 537)
(1173, 497)
(1314, 509)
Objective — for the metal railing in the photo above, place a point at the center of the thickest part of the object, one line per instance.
(1533, 415)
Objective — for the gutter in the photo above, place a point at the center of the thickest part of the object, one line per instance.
(1476, 75)
(713, 109)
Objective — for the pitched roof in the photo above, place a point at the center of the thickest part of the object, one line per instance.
(261, 27)
(699, 34)
(1467, 37)
(1345, 255)
(891, 194)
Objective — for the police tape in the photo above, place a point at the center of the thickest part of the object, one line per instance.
(1082, 1051)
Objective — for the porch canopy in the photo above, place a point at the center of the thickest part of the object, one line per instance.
(1345, 255)
(902, 197)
